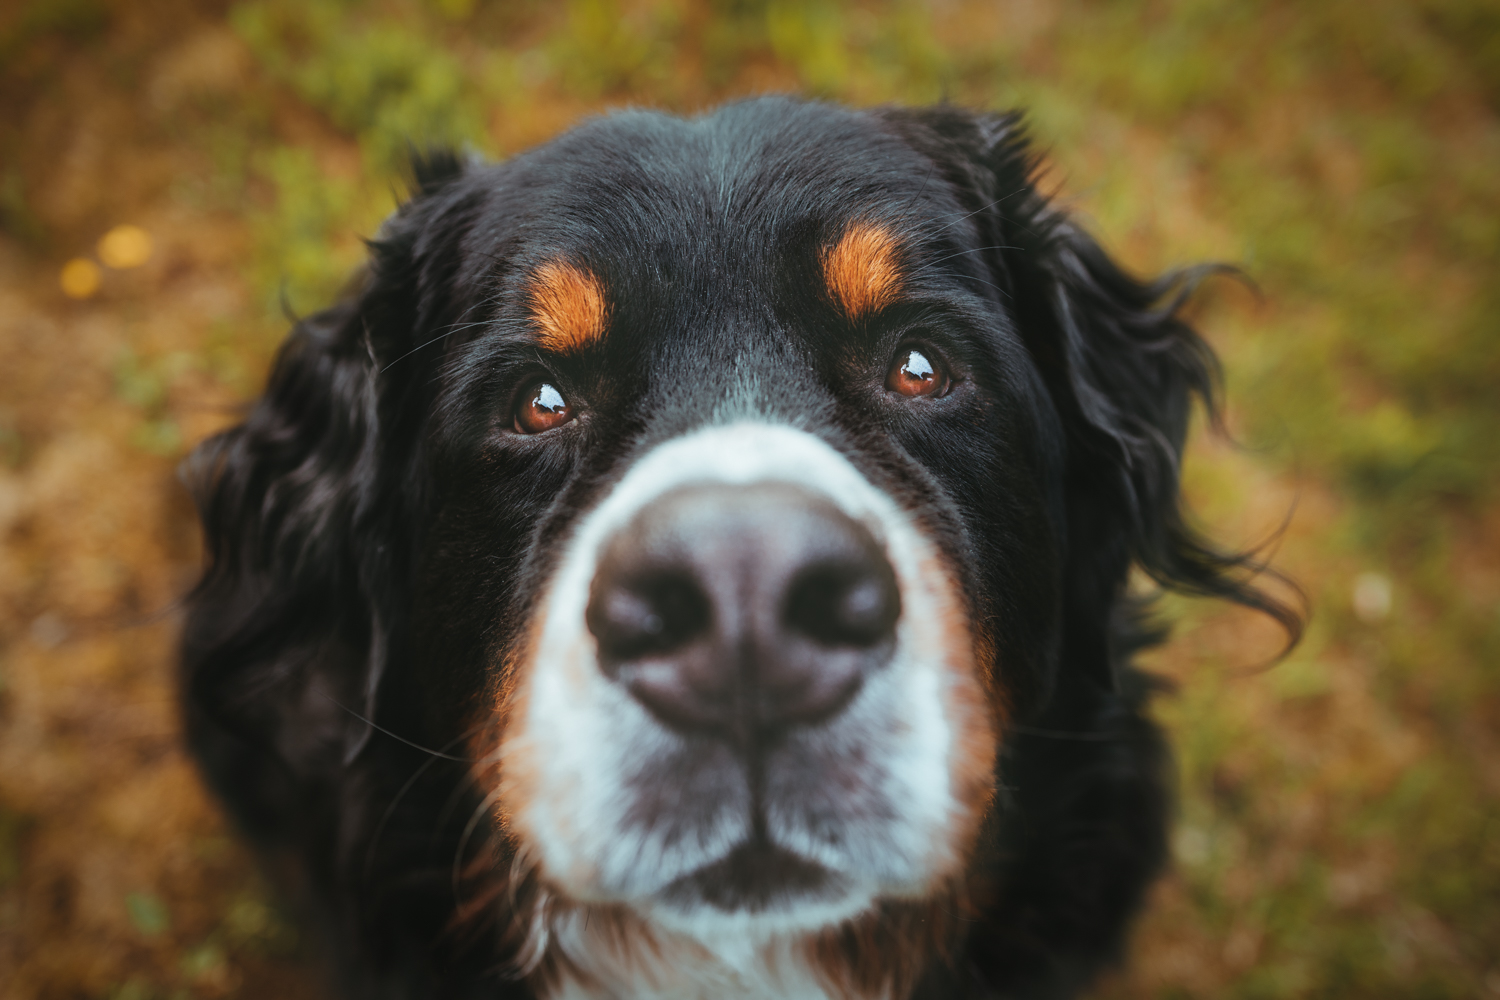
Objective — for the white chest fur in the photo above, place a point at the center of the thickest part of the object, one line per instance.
(666, 966)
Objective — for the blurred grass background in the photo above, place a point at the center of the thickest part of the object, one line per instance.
(1339, 830)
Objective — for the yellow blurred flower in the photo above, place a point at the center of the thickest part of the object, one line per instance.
(125, 246)
(79, 278)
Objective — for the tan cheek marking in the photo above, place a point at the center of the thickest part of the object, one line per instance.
(517, 779)
(976, 714)
(862, 270)
(884, 952)
(569, 306)
(506, 765)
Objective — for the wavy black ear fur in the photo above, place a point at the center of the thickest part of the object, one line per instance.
(280, 497)
(1123, 369)
(310, 509)
(305, 508)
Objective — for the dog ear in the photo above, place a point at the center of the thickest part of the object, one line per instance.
(306, 513)
(282, 628)
(1123, 369)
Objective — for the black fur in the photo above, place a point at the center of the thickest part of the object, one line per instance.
(371, 547)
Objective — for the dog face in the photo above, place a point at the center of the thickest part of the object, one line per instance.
(734, 492)
(751, 514)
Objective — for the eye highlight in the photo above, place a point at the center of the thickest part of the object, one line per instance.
(540, 407)
(914, 373)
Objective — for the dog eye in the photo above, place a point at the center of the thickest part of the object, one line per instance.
(913, 373)
(541, 407)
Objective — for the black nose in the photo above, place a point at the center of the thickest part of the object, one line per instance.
(737, 609)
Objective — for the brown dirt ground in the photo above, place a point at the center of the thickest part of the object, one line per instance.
(97, 799)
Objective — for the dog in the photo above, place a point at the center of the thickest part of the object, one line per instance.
(691, 562)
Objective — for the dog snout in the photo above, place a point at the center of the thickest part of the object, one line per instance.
(734, 610)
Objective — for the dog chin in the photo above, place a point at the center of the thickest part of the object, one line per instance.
(758, 893)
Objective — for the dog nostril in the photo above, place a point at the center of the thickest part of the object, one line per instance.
(632, 618)
(845, 604)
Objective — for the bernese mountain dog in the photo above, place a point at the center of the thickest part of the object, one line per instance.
(692, 561)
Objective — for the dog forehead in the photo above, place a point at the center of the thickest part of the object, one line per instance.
(722, 196)
(706, 227)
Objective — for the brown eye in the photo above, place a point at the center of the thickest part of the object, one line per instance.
(913, 374)
(540, 408)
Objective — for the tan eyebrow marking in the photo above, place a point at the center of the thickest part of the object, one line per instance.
(568, 304)
(862, 270)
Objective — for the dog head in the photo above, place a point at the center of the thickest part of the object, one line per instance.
(729, 489)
